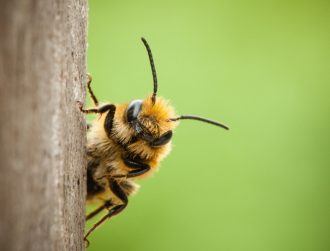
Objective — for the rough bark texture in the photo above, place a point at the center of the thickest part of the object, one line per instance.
(42, 133)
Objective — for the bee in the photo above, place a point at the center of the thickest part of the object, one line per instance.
(126, 142)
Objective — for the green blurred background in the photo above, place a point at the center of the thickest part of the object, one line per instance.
(262, 67)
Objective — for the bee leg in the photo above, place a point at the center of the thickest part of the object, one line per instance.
(91, 93)
(101, 109)
(107, 205)
(108, 123)
(139, 168)
(118, 191)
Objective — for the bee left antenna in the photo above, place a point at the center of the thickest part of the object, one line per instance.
(193, 117)
(153, 69)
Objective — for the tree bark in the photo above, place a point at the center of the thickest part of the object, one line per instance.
(42, 133)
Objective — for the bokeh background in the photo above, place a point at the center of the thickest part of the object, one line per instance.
(262, 67)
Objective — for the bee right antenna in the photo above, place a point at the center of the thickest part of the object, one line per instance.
(153, 69)
(193, 117)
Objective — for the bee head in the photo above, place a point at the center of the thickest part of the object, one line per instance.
(150, 120)
(153, 119)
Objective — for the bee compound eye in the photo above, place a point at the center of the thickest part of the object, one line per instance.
(133, 110)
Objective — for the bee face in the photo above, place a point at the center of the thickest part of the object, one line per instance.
(150, 121)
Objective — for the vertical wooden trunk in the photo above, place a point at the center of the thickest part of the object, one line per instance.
(42, 133)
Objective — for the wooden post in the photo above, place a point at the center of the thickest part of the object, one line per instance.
(42, 133)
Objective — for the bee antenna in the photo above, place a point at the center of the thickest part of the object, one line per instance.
(200, 119)
(153, 69)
